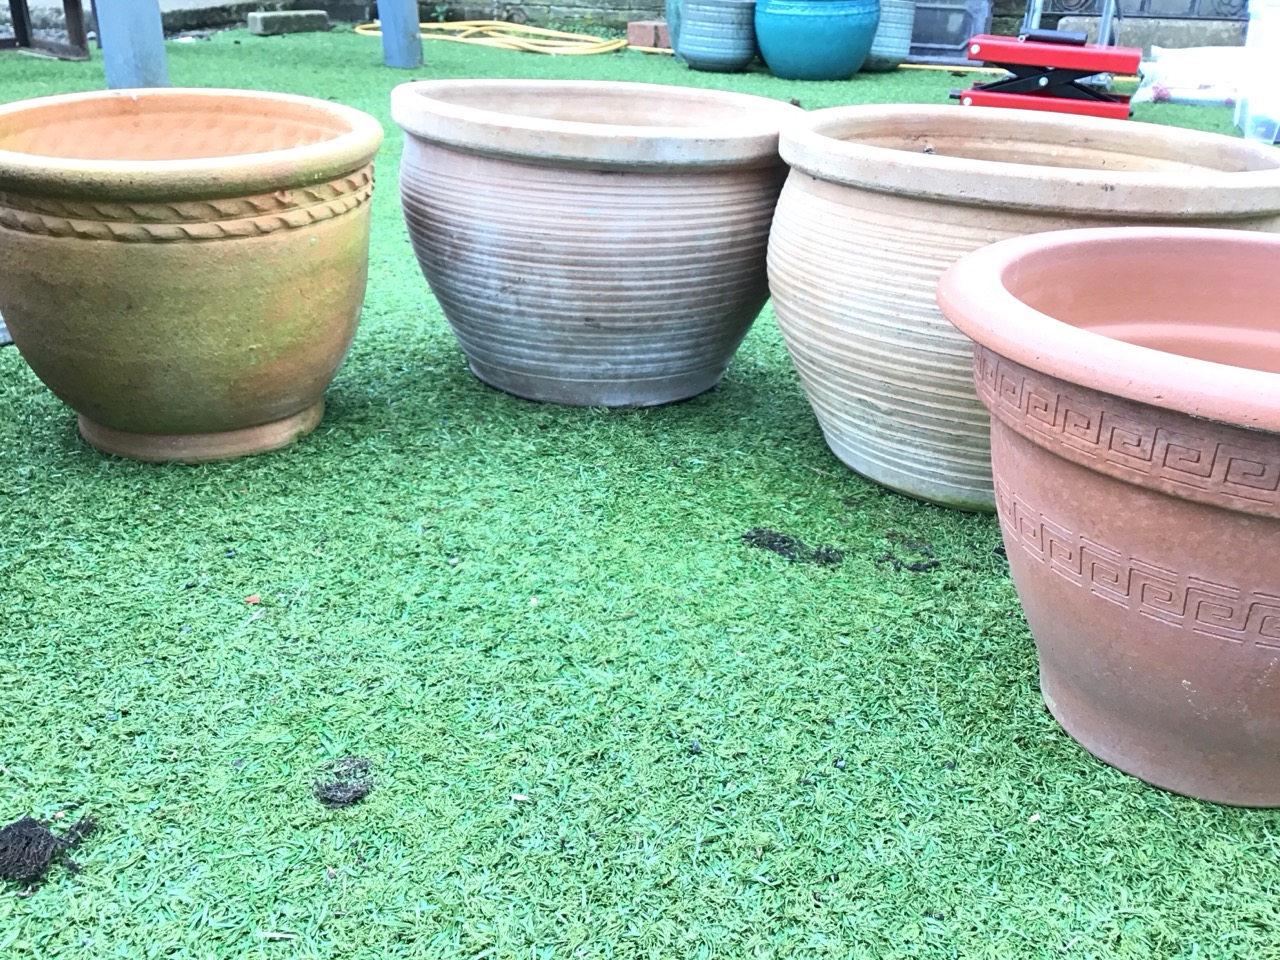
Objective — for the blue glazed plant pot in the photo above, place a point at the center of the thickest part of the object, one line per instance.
(718, 35)
(816, 39)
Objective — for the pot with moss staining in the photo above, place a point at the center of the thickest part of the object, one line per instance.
(592, 243)
(882, 199)
(1133, 381)
(185, 268)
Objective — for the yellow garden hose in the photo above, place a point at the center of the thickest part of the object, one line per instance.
(515, 36)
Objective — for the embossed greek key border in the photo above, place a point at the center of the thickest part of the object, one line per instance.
(1219, 610)
(188, 220)
(1217, 464)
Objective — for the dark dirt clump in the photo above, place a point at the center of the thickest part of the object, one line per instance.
(797, 551)
(343, 782)
(28, 848)
(912, 566)
(923, 550)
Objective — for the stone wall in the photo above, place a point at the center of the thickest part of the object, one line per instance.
(181, 15)
(613, 14)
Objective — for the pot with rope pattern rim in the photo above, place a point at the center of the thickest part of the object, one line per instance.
(185, 268)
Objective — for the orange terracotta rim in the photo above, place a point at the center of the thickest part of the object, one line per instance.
(979, 295)
(907, 150)
(594, 122)
(326, 141)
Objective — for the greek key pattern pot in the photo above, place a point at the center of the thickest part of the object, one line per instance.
(1133, 380)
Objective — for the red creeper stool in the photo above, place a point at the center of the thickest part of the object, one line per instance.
(1046, 69)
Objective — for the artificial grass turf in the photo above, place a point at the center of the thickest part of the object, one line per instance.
(600, 724)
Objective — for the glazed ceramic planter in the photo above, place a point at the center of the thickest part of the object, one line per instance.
(591, 243)
(1133, 377)
(816, 39)
(185, 268)
(718, 35)
(882, 199)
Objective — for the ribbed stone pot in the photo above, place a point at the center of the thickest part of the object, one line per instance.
(718, 35)
(892, 42)
(185, 268)
(592, 243)
(1133, 378)
(882, 199)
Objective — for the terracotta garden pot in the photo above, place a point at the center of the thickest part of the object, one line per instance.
(1133, 377)
(592, 243)
(185, 268)
(881, 199)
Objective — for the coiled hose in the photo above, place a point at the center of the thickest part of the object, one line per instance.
(515, 36)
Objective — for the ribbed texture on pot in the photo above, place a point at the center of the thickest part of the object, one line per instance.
(912, 426)
(881, 199)
(718, 35)
(893, 36)
(589, 287)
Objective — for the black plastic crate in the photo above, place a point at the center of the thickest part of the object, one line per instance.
(943, 28)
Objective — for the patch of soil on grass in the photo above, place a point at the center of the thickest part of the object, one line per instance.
(343, 782)
(794, 549)
(28, 848)
(919, 554)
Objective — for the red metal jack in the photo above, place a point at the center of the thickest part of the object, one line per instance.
(1047, 68)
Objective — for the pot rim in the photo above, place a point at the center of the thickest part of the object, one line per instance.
(974, 295)
(200, 177)
(420, 109)
(815, 144)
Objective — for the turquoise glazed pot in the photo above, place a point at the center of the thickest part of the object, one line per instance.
(816, 39)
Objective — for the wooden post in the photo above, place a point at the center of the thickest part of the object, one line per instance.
(132, 37)
(401, 43)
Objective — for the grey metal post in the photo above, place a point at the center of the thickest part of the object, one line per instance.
(132, 38)
(401, 43)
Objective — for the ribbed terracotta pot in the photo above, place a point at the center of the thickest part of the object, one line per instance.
(592, 243)
(1133, 377)
(881, 199)
(185, 268)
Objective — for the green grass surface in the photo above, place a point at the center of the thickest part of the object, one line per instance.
(525, 616)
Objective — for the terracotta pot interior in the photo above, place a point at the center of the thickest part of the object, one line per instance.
(598, 104)
(167, 127)
(1195, 298)
(1129, 148)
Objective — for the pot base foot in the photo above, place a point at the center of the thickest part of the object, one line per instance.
(200, 447)
(972, 497)
(1215, 773)
(598, 393)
